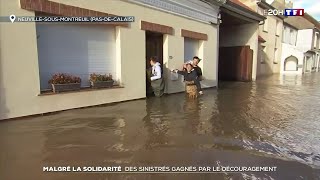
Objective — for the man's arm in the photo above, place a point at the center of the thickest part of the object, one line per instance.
(199, 73)
(181, 72)
(157, 73)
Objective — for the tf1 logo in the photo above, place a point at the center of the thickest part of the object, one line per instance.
(286, 12)
(294, 12)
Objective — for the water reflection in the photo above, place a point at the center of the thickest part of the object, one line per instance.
(272, 122)
(232, 119)
(192, 115)
(156, 122)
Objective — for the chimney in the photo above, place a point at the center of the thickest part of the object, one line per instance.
(289, 4)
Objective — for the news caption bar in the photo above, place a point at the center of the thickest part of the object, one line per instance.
(158, 169)
(13, 18)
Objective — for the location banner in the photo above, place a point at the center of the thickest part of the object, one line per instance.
(66, 19)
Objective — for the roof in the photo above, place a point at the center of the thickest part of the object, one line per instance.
(260, 39)
(302, 22)
(242, 4)
(312, 20)
(240, 8)
(298, 22)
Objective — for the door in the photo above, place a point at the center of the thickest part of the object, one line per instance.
(291, 64)
(235, 63)
(154, 47)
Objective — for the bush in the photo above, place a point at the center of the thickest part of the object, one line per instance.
(100, 77)
(62, 78)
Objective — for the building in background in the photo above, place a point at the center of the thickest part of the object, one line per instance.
(300, 43)
(238, 42)
(172, 30)
(270, 36)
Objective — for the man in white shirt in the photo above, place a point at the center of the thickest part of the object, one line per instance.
(156, 71)
(157, 82)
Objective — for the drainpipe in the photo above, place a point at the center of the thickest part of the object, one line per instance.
(218, 47)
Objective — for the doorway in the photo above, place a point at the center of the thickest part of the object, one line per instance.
(235, 53)
(154, 48)
(291, 64)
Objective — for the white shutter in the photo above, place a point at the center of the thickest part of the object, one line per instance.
(75, 49)
(191, 48)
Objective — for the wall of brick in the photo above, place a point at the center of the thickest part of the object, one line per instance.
(148, 26)
(194, 35)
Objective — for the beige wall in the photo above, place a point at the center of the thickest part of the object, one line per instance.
(251, 4)
(241, 35)
(19, 74)
(272, 41)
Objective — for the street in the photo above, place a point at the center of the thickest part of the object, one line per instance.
(272, 122)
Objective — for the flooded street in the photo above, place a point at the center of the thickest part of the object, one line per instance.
(272, 122)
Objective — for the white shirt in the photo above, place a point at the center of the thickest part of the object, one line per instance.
(189, 62)
(156, 72)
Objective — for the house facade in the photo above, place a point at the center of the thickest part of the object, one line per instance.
(308, 41)
(238, 42)
(31, 52)
(300, 43)
(270, 37)
(292, 57)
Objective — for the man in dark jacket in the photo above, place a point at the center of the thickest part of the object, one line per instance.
(198, 70)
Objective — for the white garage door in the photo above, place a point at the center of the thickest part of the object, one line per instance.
(291, 64)
(75, 49)
(191, 48)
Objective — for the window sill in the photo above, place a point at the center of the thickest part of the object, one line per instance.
(85, 89)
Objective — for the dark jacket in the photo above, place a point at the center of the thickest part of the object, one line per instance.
(198, 71)
(191, 76)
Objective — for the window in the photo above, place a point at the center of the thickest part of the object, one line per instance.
(316, 40)
(278, 28)
(191, 48)
(75, 49)
(265, 25)
(262, 54)
(284, 34)
(275, 59)
(291, 36)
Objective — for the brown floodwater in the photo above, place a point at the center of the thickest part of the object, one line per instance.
(272, 122)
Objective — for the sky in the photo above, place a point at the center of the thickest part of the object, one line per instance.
(312, 7)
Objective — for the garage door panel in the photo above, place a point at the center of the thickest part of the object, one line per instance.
(75, 49)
